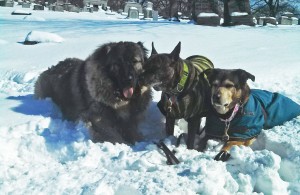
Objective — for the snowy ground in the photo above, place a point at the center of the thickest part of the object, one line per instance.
(41, 154)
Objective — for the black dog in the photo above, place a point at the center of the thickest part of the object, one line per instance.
(185, 91)
(240, 113)
(101, 90)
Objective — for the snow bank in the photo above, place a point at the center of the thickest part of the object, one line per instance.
(208, 15)
(239, 14)
(43, 37)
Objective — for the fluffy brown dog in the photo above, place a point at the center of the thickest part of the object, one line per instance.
(102, 90)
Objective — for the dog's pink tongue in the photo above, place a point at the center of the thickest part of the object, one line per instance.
(127, 92)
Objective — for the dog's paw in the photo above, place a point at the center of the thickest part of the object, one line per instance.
(222, 156)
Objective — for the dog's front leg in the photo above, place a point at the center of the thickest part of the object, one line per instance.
(224, 155)
(102, 129)
(170, 123)
(193, 128)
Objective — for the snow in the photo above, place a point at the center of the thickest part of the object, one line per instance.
(239, 14)
(34, 18)
(42, 154)
(43, 37)
(208, 15)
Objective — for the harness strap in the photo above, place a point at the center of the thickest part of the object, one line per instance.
(183, 79)
(199, 63)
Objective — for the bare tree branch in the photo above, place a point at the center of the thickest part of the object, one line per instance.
(274, 7)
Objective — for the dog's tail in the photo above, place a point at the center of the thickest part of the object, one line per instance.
(42, 87)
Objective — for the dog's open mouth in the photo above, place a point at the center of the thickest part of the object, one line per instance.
(124, 94)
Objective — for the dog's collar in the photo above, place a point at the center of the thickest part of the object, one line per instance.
(228, 120)
(183, 79)
(172, 95)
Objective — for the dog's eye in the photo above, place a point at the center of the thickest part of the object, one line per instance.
(229, 85)
(136, 61)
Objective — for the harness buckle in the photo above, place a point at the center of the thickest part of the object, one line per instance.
(169, 105)
(179, 88)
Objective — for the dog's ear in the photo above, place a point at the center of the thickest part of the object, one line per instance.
(175, 53)
(209, 73)
(145, 51)
(102, 51)
(153, 51)
(140, 44)
(106, 49)
(244, 75)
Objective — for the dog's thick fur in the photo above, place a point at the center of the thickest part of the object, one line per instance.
(239, 113)
(102, 90)
(163, 72)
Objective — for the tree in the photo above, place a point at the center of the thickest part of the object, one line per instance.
(172, 8)
(169, 8)
(117, 4)
(274, 7)
(227, 17)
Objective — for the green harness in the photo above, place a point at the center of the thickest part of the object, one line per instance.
(201, 64)
(184, 76)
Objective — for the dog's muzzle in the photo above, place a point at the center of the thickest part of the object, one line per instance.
(220, 108)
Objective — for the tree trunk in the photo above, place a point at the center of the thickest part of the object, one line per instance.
(273, 7)
(171, 8)
(194, 10)
(227, 17)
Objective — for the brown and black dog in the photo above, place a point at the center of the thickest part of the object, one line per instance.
(185, 91)
(238, 114)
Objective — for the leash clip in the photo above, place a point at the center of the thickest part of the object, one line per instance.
(171, 100)
(225, 137)
(169, 105)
